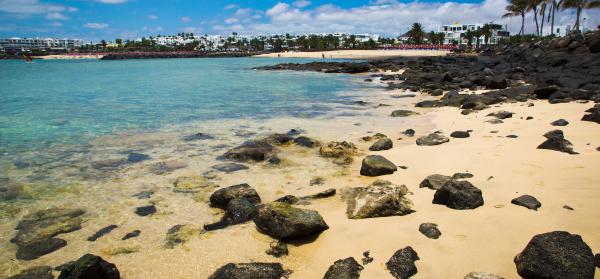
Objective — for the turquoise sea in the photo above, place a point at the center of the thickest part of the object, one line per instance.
(51, 102)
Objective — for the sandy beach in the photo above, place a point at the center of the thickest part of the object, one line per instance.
(355, 54)
(483, 239)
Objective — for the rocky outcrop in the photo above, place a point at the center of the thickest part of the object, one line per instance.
(90, 267)
(432, 139)
(458, 195)
(527, 201)
(376, 165)
(249, 270)
(402, 264)
(284, 222)
(221, 197)
(380, 199)
(341, 151)
(555, 140)
(556, 254)
(347, 268)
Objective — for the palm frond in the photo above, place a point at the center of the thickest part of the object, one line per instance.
(595, 4)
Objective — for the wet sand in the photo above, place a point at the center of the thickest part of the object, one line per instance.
(483, 239)
(354, 54)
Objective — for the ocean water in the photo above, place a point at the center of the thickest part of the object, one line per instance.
(51, 102)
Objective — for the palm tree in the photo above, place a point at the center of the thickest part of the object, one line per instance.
(417, 33)
(580, 5)
(486, 32)
(533, 5)
(469, 36)
(517, 8)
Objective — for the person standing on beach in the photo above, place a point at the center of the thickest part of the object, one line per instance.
(323, 55)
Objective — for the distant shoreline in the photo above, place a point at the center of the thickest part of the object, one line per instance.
(354, 54)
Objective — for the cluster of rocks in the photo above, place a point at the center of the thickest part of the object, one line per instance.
(87, 267)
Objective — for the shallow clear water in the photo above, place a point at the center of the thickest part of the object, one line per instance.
(72, 101)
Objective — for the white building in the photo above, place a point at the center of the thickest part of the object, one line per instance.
(559, 31)
(28, 44)
(456, 33)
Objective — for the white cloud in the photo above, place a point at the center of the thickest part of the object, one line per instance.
(94, 25)
(302, 3)
(72, 9)
(152, 17)
(230, 6)
(29, 7)
(231, 20)
(278, 9)
(186, 19)
(56, 16)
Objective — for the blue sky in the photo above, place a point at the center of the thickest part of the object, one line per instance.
(129, 19)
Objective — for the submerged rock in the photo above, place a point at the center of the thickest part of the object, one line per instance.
(37, 249)
(458, 195)
(46, 224)
(306, 142)
(556, 254)
(249, 270)
(180, 234)
(221, 197)
(192, 184)
(36, 272)
(432, 139)
(137, 157)
(556, 141)
(430, 230)
(256, 151)
(238, 211)
(282, 221)
(197, 136)
(161, 168)
(108, 164)
(380, 199)
(145, 210)
(143, 195)
(102, 232)
(90, 267)
(229, 167)
(435, 181)
(277, 249)
(482, 275)
(403, 113)
(402, 264)
(375, 165)
(527, 201)
(131, 234)
(347, 268)
(382, 144)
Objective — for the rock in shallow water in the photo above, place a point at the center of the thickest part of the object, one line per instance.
(458, 195)
(249, 270)
(221, 197)
(306, 142)
(238, 211)
(137, 157)
(432, 139)
(382, 144)
(90, 267)
(402, 264)
(380, 199)
(131, 234)
(192, 184)
(527, 201)
(102, 232)
(197, 136)
(229, 167)
(36, 272)
(557, 254)
(145, 210)
(375, 165)
(430, 230)
(251, 151)
(347, 268)
(37, 249)
(47, 223)
(284, 222)
(180, 234)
